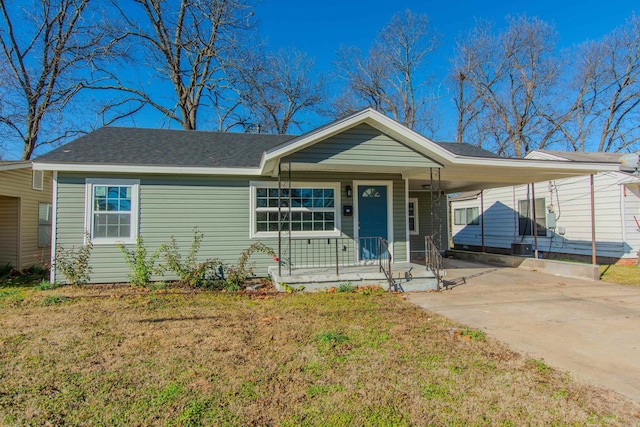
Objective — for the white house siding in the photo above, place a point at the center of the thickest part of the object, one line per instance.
(570, 200)
(219, 206)
(631, 199)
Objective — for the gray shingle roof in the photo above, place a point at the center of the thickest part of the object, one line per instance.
(464, 149)
(164, 147)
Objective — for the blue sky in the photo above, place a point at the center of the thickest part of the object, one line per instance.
(320, 28)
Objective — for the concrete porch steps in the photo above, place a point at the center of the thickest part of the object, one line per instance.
(410, 276)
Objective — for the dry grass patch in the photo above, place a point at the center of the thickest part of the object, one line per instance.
(122, 356)
(621, 274)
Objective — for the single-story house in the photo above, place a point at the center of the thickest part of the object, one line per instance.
(348, 186)
(500, 220)
(25, 215)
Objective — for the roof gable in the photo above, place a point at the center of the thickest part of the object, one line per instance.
(360, 145)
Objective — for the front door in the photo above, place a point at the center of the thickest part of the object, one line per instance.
(372, 219)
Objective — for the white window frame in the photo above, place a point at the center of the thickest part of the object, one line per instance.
(416, 226)
(466, 221)
(336, 186)
(90, 183)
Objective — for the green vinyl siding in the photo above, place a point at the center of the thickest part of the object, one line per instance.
(218, 206)
(361, 145)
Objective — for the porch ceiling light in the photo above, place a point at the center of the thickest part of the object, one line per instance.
(426, 186)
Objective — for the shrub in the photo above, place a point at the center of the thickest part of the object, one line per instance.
(74, 263)
(208, 273)
(238, 275)
(141, 266)
(346, 287)
(46, 285)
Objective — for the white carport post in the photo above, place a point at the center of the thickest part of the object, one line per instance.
(593, 222)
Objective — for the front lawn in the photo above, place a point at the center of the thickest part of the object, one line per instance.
(129, 356)
(622, 274)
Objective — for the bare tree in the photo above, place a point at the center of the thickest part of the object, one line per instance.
(391, 77)
(277, 89)
(606, 112)
(46, 46)
(507, 85)
(187, 45)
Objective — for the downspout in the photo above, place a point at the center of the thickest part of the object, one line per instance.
(535, 220)
(482, 217)
(406, 203)
(54, 227)
(593, 222)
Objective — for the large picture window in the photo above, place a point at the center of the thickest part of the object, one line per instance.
(525, 217)
(112, 210)
(314, 209)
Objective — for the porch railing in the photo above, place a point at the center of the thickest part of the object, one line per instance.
(433, 258)
(385, 263)
(336, 252)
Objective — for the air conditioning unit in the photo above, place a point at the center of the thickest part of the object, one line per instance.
(521, 249)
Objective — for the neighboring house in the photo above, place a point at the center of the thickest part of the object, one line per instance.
(358, 178)
(25, 215)
(562, 210)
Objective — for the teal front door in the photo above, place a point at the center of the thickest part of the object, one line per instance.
(372, 219)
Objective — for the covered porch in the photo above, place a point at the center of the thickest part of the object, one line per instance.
(383, 201)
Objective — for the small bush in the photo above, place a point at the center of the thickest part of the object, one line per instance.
(74, 263)
(141, 266)
(46, 285)
(346, 287)
(238, 275)
(205, 274)
(54, 300)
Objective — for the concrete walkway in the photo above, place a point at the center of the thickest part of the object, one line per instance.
(591, 329)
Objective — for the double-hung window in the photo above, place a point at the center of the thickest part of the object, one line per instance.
(466, 216)
(312, 209)
(525, 217)
(413, 216)
(112, 210)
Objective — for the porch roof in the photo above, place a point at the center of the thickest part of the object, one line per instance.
(462, 167)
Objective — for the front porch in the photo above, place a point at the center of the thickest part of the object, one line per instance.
(407, 277)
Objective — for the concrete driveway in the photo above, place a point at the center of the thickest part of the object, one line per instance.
(591, 329)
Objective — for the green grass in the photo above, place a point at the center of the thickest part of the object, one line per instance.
(123, 356)
(621, 274)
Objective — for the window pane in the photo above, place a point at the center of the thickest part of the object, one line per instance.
(44, 224)
(411, 209)
(472, 216)
(412, 224)
(459, 216)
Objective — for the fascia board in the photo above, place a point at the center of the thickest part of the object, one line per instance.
(172, 170)
(13, 166)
